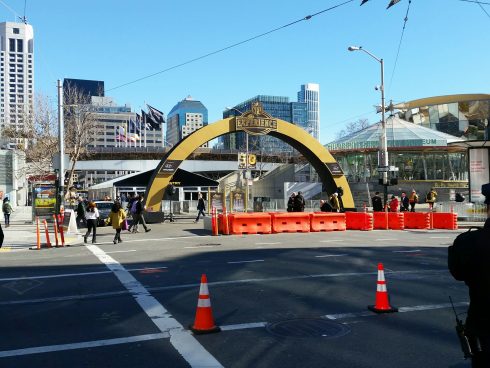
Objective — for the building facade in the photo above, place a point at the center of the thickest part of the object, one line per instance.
(278, 107)
(185, 117)
(310, 94)
(465, 115)
(16, 76)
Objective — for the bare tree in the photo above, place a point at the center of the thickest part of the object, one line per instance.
(353, 127)
(80, 126)
(36, 139)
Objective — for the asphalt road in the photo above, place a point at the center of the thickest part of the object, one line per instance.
(284, 300)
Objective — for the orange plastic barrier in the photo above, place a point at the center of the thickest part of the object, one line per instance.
(214, 222)
(445, 220)
(290, 222)
(250, 223)
(359, 221)
(396, 221)
(327, 221)
(417, 220)
(380, 220)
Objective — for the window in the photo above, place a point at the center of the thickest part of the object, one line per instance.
(11, 45)
(20, 46)
(16, 30)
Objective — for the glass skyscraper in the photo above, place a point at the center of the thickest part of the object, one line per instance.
(310, 94)
(278, 107)
(184, 118)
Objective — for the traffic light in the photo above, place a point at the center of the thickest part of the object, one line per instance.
(170, 190)
(242, 160)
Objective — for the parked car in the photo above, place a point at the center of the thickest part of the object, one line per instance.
(104, 208)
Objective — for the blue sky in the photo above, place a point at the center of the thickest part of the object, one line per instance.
(444, 51)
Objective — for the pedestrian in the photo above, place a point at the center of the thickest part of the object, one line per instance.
(413, 200)
(200, 207)
(431, 197)
(299, 203)
(81, 212)
(468, 260)
(91, 216)
(139, 212)
(131, 209)
(290, 207)
(7, 210)
(117, 218)
(1, 236)
(334, 201)
(404, 202)
(377, 203)
(394, 203)
(325, 206)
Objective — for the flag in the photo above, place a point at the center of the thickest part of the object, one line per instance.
(155, 115)
(148, 123)
(120, 133)
(392, 2)
(134, 127)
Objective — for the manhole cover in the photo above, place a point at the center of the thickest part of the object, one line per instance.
(308, 327)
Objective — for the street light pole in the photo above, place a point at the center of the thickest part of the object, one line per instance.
(383, 142)
(61, 142)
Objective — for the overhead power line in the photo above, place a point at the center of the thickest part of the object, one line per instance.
(308, 17)
(476, 2)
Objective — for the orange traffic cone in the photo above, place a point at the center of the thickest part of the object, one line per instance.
(382, 299)
(204, 322)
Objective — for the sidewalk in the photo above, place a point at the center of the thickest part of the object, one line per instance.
(21, 234)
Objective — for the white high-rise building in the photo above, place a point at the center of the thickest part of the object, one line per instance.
(310, 93)
(16, 75)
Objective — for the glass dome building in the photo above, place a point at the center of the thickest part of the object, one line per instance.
(418, 152)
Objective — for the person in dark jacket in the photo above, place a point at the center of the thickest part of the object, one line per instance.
(81, 212)
(299, 203)
(140, 218)
(290, 207)
(325, 206)
(468, 261)
(404, 202)
(377, 203)
(200, 207)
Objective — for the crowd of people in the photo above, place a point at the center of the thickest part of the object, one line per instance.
(88, 215)
(406, 203)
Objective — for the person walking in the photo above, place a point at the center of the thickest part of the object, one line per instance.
(117, 217)
(131, 209)
(140, 218)
(394, 203)
(200, 207)
(413, 200)
(431, 198)
(404, 202)
(7, 210)
(81, 212)
(334, 201)
(91, 216)
(290, 207)
(468, 260)
(299, 203)
(377, 203)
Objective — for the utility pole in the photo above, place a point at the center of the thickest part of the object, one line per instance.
(61, 142)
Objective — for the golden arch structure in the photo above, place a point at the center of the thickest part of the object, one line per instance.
(253, 122)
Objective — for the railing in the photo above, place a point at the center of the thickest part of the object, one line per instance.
(466, 211)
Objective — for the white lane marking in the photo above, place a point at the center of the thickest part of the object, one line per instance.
(406, 251)
(272, 243)
(216, 283)
(330, 240)
(252, 261)
(182, 340)
(331, 255)
(76, 274)
(415, 308)
(243, 326)
(440, 237)
(82, 345)
(122, 251)
(386, 239)
(200, 246)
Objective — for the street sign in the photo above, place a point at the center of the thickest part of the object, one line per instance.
(383, 169)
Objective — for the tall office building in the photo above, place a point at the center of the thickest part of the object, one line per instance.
(310, 94)
(16, 76)
(276, 106)
(184, 118)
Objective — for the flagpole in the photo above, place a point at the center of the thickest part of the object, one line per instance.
(126, 133)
